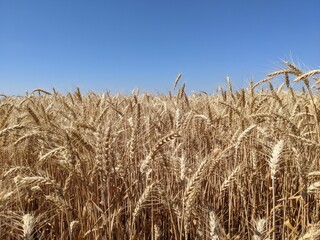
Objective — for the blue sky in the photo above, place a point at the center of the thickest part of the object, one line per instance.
(121, 45)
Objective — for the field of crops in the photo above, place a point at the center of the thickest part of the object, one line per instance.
(233, 165)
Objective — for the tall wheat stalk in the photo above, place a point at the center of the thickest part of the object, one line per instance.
(273, 164)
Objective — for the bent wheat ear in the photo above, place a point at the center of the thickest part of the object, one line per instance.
(306, 75)
(192, 188)
(314, 187)
(39, 90)
(229, 179)
(73, 226)
(144, 167)
(176, 82)
(141, 201)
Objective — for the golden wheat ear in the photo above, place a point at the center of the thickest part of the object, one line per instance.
(29, 222)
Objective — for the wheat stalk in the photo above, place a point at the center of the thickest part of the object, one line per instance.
(273, 164)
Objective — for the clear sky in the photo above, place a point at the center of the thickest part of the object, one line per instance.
(125, 44)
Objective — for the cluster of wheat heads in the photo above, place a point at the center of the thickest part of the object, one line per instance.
(236, 165)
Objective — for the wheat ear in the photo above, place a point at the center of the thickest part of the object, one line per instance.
(28, 226)
(144, 167)
(260, 229)
(213, 226)
(273, 163)
(141, 201)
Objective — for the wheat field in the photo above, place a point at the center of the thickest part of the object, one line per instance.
(232, 165)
